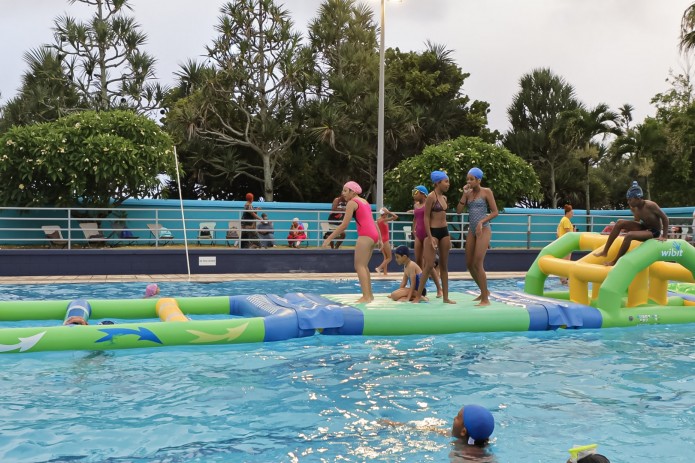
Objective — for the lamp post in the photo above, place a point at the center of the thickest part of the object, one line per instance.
(380, 117)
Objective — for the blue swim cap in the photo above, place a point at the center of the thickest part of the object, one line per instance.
(422, 189)
(438, 175)
(635, 191)
(476, 172)
(478, 421)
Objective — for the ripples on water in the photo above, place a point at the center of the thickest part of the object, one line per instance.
(320, 399)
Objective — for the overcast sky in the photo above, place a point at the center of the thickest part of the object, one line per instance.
(612, 51)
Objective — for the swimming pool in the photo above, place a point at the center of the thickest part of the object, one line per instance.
(320, 398)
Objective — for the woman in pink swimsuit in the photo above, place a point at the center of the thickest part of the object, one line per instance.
(385, 216)
(367, 236)
(419, 196)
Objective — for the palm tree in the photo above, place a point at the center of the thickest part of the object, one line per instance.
(582, 127)
(534, 115)
(688, 29)
(639, 146)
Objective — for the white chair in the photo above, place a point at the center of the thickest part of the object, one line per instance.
(206, 231)
(408, 236)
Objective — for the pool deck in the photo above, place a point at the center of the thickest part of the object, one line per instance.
(207, 278)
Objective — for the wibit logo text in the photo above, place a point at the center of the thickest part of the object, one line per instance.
(675, 251)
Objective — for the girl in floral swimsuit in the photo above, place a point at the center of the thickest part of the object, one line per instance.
(478, 200)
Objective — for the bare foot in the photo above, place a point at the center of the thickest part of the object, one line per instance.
(449, 301)
(377, 270)
(600, 254)
(364, 300)
(480, 297)
(563, 281)
(610, 264)
(439, 293)
(484, 302)
(416, 299)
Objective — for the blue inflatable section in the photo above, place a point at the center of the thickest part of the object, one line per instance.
(297, 315)
(551, 314)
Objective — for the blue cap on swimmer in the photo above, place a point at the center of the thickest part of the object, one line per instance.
(422, 189)
(478, 421)
(476, 172)
(635, 191)
(438, 175)
(402, 251)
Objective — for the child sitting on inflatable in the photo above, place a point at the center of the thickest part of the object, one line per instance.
(649, 222)
(411, 273)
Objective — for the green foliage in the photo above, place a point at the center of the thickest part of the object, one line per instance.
(511, 178)
(88, 159)
(103, 59)
(534, 116)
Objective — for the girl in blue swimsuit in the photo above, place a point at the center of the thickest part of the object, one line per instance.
(481, 210)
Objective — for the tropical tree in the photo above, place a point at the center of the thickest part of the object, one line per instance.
(103, 60)
(249, 105)
(534, 133)
(640, 147)
(86, 159)
(512, 178)
(586, 131)
(340, 98)
(45, 95)
(429, 86)
(688, 29)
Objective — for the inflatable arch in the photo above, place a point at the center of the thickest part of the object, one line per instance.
(641, 276)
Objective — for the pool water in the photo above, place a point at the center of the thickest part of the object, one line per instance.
(321, 399)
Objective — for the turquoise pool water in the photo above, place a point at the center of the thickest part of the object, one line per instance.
(320, 399)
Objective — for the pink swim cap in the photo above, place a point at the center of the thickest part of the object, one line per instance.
(354, 186)
(151, 290)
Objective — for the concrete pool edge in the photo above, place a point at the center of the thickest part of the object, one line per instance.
(214, 278)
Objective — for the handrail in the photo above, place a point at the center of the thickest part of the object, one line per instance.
(22, 226)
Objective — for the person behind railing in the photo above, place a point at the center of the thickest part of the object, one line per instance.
(481, 210)
(367, 236)
(419, 196)
(265, 232)
(438, 238)
(335, 218)
(385, 216)
(608, 228)
(249, 237)
(296, 234)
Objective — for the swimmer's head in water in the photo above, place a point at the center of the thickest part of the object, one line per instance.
(473, 422)
(634, 191)
(438, 175)
(354, 186)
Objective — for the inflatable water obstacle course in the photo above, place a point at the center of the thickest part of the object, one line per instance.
(651, 284)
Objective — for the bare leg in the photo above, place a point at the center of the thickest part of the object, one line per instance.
(363, 252)
(427, 266)
(619, 225)
(444, 248)
(471, 241)
(437, 281)
(641, 235)
(481, 246)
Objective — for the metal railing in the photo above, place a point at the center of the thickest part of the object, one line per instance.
(22, 227)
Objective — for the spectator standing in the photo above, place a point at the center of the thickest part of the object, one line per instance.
(385, 216)
(335, 218)
(249, 237)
